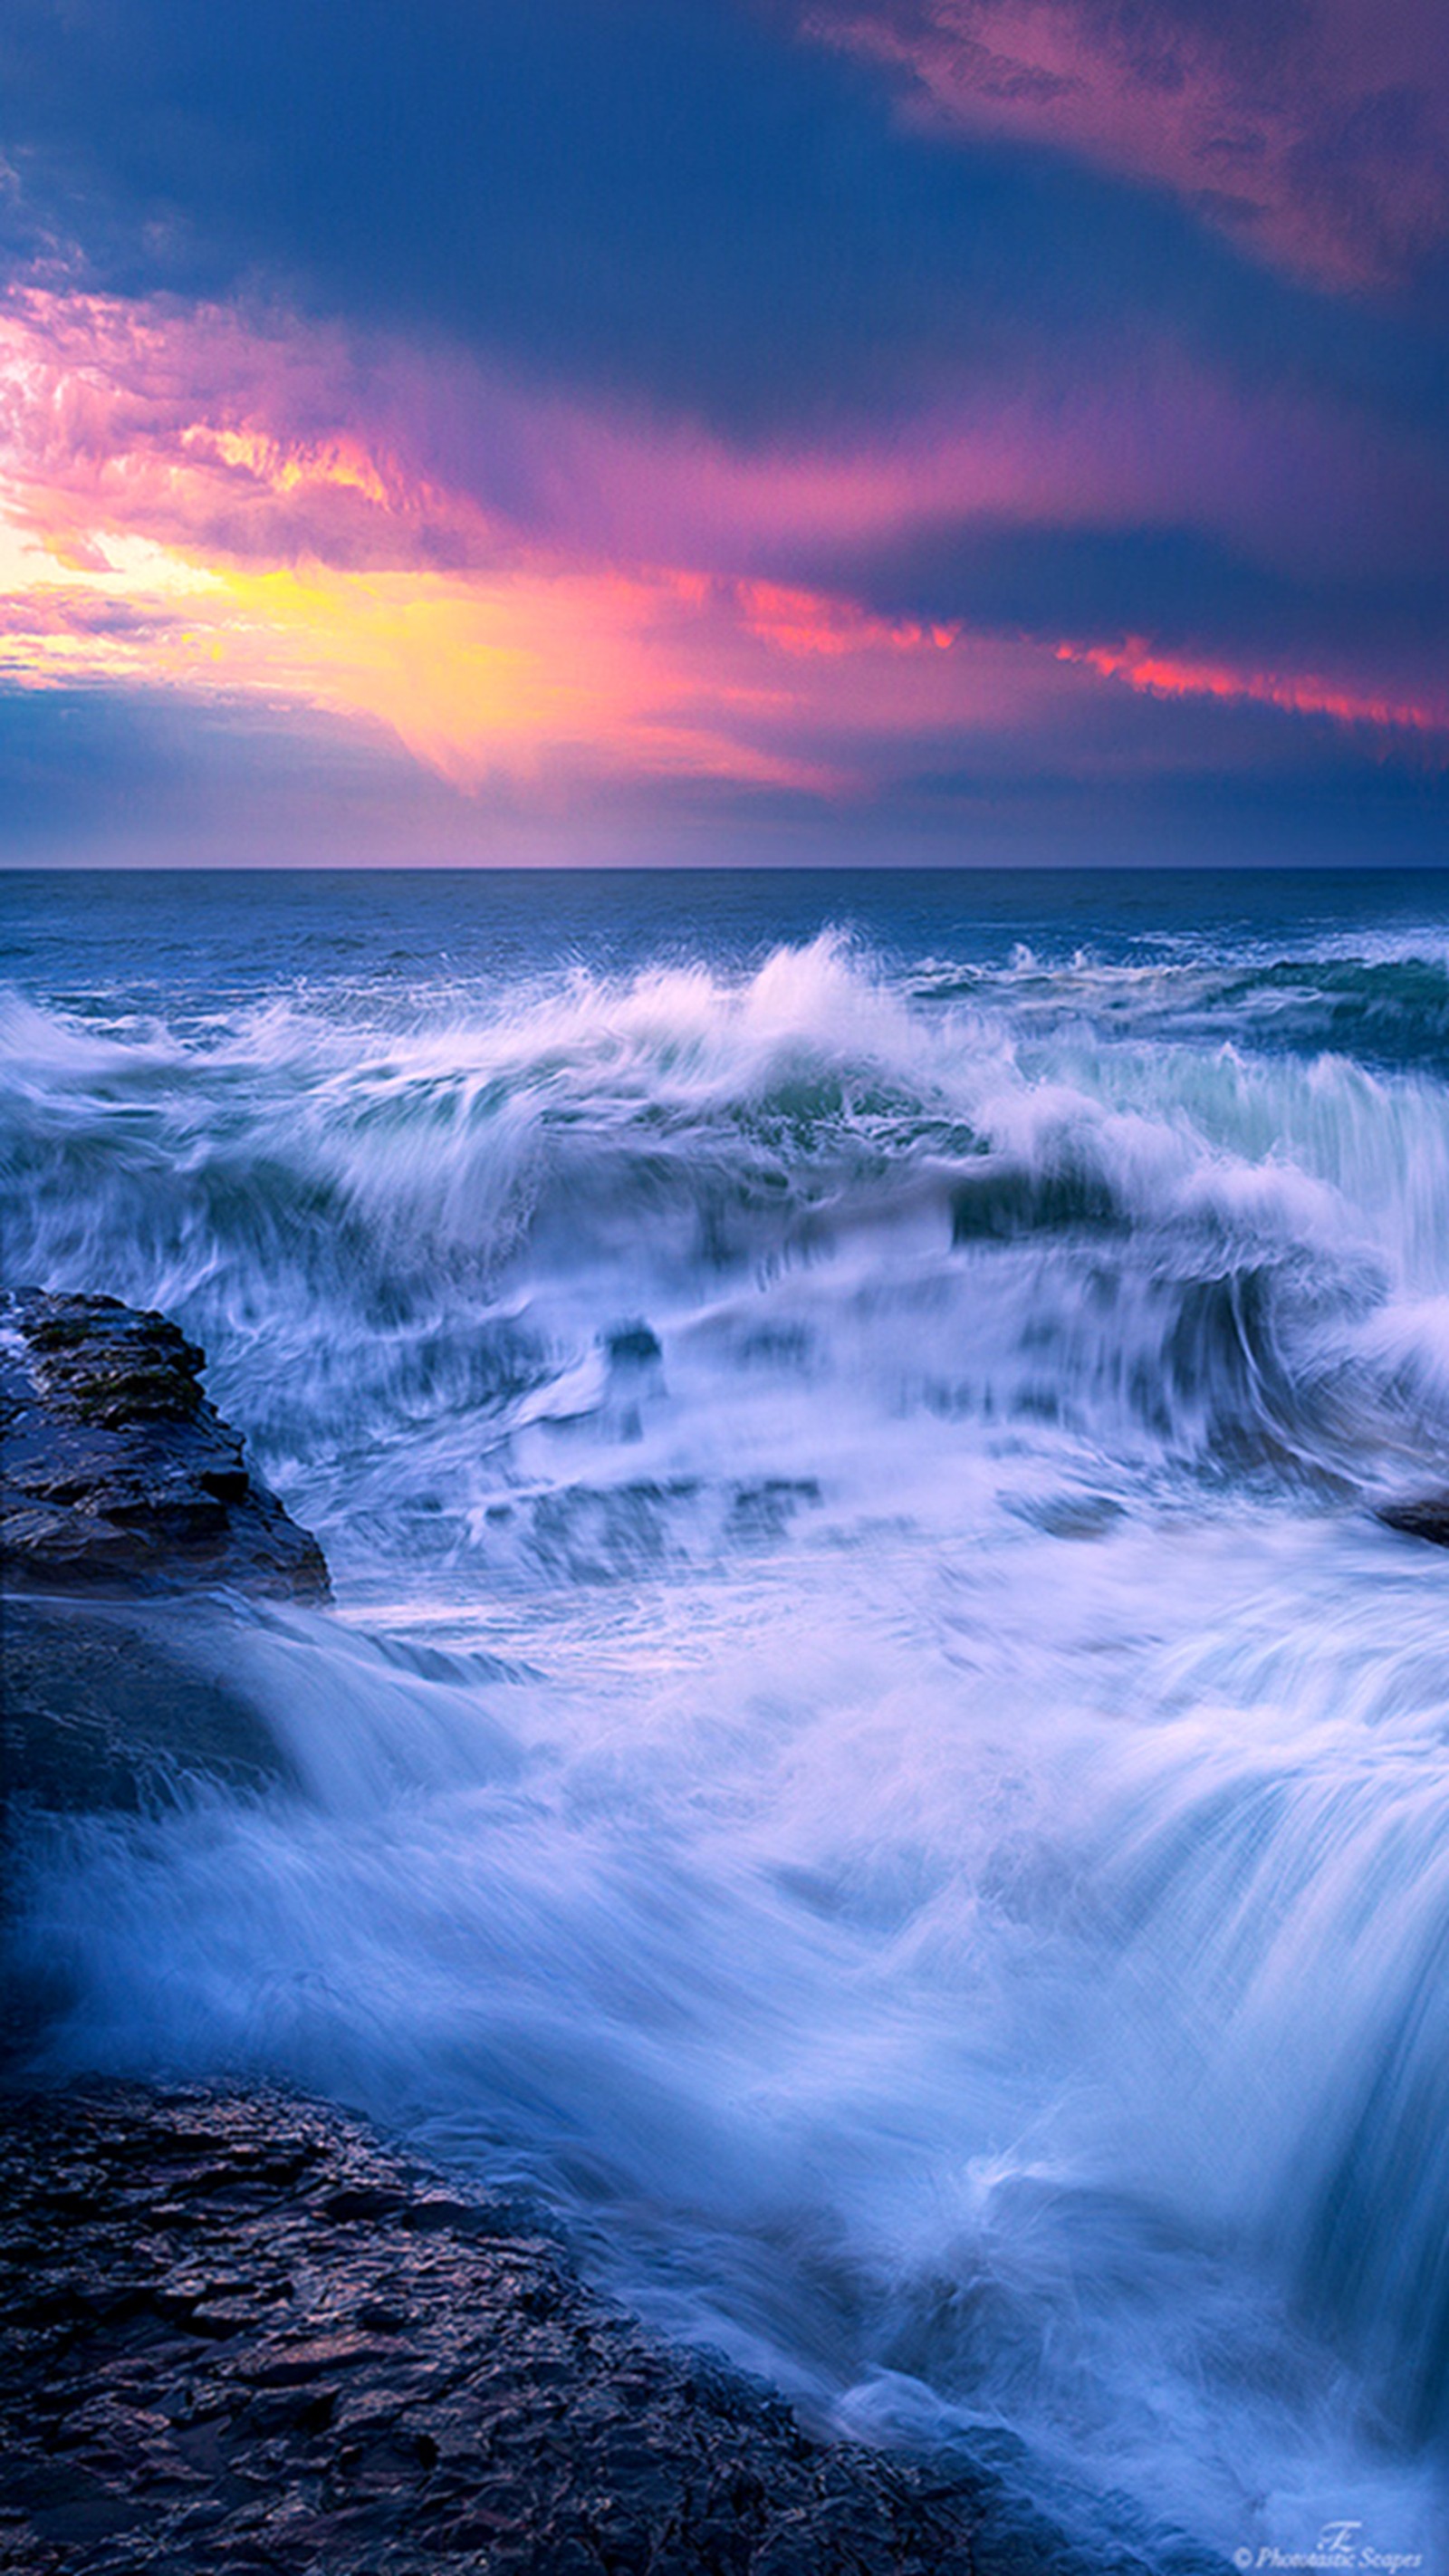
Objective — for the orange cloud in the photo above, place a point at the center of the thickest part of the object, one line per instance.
(193, 500)
(165, 523)
(528, 674)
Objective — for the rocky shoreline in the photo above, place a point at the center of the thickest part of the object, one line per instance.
(242, 2333)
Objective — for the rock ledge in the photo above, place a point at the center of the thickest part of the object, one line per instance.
(118, 1472)
(242, 2335)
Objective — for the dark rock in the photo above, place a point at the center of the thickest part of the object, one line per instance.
(633, 1345)
(368, 2200)
(471, 2437)
(1427, 1518)
(118, 1473)
(765, 1510)
(109, 1705)
(114, 1705)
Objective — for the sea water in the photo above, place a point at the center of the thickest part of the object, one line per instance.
(871, 1749)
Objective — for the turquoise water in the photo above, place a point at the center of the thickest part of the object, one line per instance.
(871, 1746)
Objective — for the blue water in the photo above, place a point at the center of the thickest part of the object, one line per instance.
(871, 1746)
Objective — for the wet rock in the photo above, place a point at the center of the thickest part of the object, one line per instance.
(502, 2418)
(109, 1704)
(634, 1345)
(764, 1510)
(1427, 1518)
(118, 1472)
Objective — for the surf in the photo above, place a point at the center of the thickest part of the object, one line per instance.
(872, 1750)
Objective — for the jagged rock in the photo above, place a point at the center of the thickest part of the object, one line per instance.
(118, 1472)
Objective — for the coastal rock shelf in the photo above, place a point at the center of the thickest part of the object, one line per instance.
(108, 1705)
(119, 1473)
(243, 2335)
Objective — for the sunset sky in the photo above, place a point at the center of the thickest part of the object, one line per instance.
(716, 430)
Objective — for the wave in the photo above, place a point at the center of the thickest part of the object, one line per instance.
(405, 1246)
(869, 1751)
(1016, 2020)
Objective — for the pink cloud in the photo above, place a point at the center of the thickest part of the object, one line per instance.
(1344, 698)
(200, 425)
(201, 503)
(228, 504)
(258, 438)
(1318, 136)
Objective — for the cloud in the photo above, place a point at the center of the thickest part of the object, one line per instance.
(1313, 132)
(243, 509)
(1301, 692)
(273, 437)
(686, 207)
(185, 509)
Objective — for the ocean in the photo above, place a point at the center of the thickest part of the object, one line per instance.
(871, 1750)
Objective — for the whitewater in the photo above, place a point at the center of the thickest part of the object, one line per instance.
(871, 1750)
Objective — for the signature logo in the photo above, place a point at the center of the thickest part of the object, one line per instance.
(1337, 2546)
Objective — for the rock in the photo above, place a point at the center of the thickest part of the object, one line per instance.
(634, 1345)
(112, 1705)
(764, 1510)
(119, 1474)
(109, 1706)
(194, 2379)
(1428, 1518)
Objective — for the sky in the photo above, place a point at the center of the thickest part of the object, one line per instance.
(699, 431)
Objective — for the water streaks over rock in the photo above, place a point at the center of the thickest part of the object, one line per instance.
(244, 2335)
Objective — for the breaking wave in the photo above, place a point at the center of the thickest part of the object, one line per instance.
(872, 1749)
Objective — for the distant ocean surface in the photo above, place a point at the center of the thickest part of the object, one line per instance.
(871, 1747)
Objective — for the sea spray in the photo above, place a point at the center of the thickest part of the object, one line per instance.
(872, 1748)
